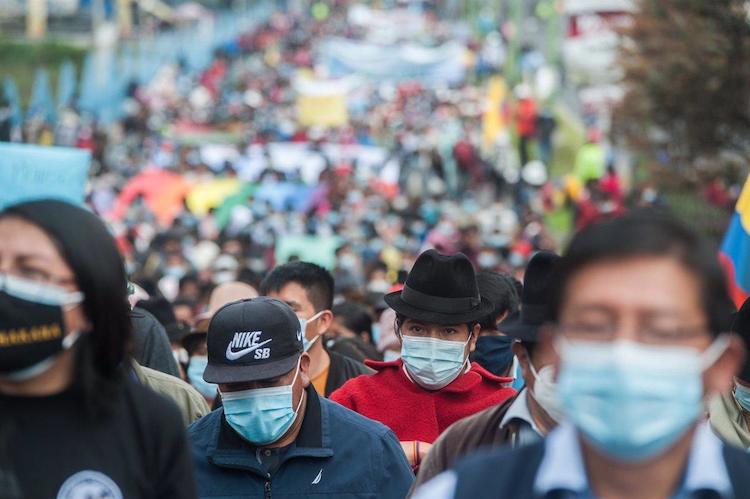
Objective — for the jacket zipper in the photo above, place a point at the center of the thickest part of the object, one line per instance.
(267, 486)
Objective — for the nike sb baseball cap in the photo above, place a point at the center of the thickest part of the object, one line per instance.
(251, 340)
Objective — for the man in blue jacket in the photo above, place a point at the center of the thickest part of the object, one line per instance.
(275, 436)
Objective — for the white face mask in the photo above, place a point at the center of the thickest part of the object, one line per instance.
(433, 363)
(303, 327)
(545, 391)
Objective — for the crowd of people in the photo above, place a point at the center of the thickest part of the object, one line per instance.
(455, 345)
(630, 352)
(438, 180)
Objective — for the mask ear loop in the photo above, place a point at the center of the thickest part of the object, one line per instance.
(299, 404)
(467, 363)
(709, 357)
(308, 321)
(714, 351)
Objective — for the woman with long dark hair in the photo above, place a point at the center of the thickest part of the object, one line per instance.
(73, 422)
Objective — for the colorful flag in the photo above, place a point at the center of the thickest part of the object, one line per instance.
(735, 250)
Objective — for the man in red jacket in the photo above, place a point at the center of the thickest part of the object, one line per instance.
(433, 384)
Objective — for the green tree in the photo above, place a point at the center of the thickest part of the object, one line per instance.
(686, 67)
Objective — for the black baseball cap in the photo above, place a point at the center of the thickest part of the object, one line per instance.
(251, 340)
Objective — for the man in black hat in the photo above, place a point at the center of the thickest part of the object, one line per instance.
(494, 350)
(433, 384)
(275, 435)
(534, 411)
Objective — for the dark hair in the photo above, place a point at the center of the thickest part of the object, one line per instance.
(355, 317)
(86, 245)
(648, 232)
(317, 282)
(400, 319)
(181, 301)
(159, 308)
(501, 291)
(530, 346)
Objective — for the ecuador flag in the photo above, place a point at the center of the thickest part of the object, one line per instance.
(735, 250)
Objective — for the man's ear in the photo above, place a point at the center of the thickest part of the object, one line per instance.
(325, 321)
(304, 369)
(719, 378)
(474, 336)
(545, 347)
(523, 359)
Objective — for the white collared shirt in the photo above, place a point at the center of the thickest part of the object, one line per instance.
(562, 467)
(519, 409)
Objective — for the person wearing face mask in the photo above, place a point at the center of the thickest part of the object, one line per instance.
(640, 311)
(274, 435)
(729, 414)
(195, 342)
(535, 411)
(433, 384)
(494, 349)
(308, 289)
(73, 420)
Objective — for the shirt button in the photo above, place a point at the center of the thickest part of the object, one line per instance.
(267, 452)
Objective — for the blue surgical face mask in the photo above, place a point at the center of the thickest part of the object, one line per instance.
(494, 353)
(262, 415)
(303, 327)
(195, 370)
(630, 400)
(375, 333)
(742, 396)
(433, 363)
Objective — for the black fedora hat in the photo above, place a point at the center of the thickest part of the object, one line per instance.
(440, 289)
(534, 312)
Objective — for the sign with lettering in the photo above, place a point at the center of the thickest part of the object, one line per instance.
(30, 172)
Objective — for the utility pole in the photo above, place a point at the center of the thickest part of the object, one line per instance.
(97, 15)
(36, 19)
(125, 18)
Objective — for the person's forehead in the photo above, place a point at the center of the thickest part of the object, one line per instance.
(22, 239)
(293, 292)
(651, 284)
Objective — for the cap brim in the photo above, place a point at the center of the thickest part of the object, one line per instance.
(519, 330)
(395, 301)
(222, 373)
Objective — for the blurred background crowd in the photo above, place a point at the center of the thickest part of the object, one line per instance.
(343, 134)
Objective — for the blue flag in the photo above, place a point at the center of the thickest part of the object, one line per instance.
(66, 84)
(41, 97)
(11, 93)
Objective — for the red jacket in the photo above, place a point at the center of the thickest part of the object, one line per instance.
(414, 413)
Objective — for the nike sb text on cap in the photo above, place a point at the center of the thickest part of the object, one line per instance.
(251, 340)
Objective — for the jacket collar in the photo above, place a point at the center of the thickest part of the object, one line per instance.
(229, 450)
(463, 383)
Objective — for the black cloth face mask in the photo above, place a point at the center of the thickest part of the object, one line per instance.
(32, 326)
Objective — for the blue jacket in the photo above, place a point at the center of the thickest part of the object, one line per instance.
(337, 454)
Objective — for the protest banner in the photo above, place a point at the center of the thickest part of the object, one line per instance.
(32, 172)
(315, 249)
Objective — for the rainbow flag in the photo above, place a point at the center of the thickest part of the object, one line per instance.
(735, 250)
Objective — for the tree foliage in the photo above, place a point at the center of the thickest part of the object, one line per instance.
(686, 70)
